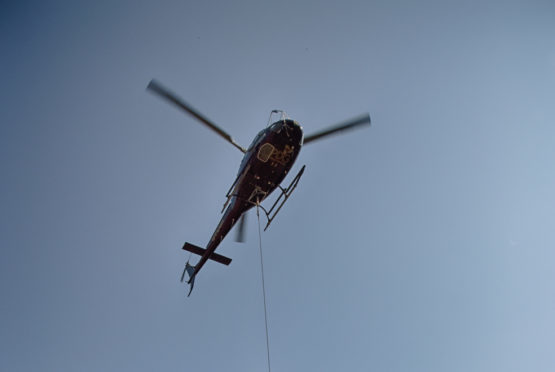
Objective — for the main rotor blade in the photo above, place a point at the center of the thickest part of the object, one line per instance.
(240, 237)
(165, 93)
(346, 125)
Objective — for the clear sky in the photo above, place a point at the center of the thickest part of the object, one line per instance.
(423, 243)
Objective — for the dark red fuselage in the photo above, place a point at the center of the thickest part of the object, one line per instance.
(264, 166)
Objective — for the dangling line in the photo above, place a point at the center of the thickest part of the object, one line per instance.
(263, 286)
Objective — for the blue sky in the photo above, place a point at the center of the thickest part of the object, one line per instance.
(424, 243)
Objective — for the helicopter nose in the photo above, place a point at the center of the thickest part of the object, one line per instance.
(293, 124)
(297, 130)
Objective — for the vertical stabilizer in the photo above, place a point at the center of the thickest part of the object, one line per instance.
(190, 270)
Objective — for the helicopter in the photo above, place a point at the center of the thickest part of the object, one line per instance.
(266, 162)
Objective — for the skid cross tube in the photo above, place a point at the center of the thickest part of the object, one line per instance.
(285, 193)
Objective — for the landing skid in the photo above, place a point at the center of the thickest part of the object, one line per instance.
(285, 194)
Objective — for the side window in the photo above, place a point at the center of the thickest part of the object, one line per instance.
(265, 152)
(276, 127)
(256, 139)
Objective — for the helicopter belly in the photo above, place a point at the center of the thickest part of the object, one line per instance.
(267, 171)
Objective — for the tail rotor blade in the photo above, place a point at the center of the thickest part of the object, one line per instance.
(158, 89)
(240, 237)
(346, 125)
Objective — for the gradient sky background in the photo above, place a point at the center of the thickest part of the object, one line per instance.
(423, 243)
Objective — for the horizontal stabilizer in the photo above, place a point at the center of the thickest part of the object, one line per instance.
(200, 251)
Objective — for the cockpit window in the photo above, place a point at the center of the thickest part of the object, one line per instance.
(276, 127)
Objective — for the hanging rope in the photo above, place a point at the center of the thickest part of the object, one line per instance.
(263, 286)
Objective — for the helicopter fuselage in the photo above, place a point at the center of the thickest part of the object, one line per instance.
(266, 163)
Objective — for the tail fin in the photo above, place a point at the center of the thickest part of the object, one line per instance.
(190, 269)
